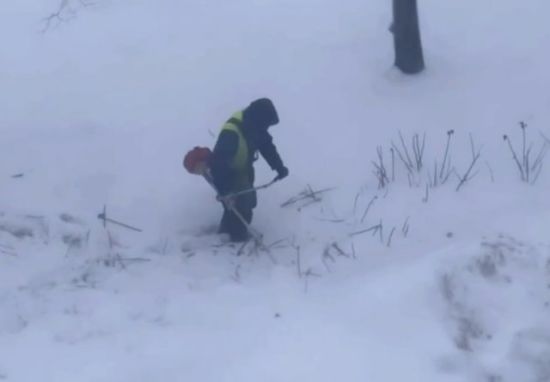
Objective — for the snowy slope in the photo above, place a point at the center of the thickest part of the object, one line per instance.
(100, 110)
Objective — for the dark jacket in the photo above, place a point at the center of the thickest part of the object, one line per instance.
(257, 118)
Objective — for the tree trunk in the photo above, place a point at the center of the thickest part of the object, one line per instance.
(406, 33)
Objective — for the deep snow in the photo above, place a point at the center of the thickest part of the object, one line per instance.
(100, 110)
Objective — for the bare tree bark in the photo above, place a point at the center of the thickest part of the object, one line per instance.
(406, 33)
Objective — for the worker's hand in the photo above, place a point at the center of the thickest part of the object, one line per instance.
(282, 173)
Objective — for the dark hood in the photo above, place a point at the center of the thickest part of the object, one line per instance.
(261, 114)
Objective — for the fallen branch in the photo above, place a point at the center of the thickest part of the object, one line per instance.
(103, 216)
(339, 250)
(373, 229)
(307, 194)
(335, 221)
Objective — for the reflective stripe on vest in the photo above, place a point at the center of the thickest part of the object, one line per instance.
(240, 161)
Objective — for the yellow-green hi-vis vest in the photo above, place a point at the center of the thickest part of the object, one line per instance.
(240, 161)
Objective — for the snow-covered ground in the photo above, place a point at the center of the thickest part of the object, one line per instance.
(100, 109)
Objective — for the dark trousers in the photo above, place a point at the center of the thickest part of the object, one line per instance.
(232, 225)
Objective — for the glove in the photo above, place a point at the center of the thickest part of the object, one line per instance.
(282, 173)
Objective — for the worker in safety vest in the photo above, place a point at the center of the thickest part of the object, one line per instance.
(242, 137)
